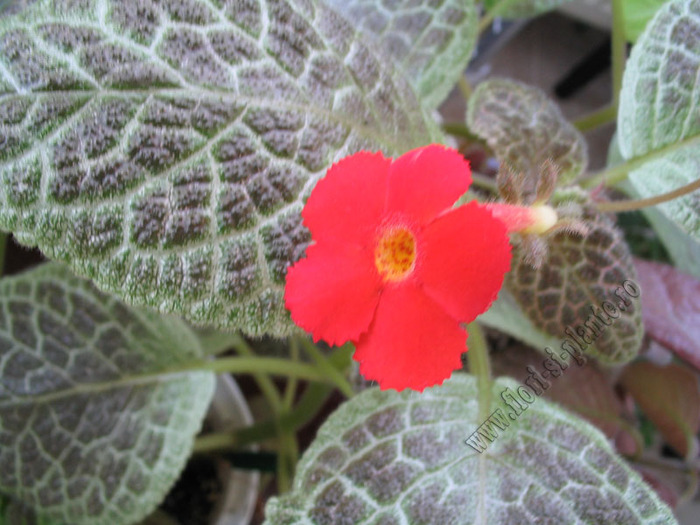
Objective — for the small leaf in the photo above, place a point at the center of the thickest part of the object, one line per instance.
(579, 276)
(523, 8)
(670, 398)
(636, 14)
(671, 308)
(388, 457)
(526, 129)
(431, 42)
(93, 429)
(164, 149)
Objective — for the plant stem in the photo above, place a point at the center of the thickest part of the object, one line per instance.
(618, 49)
(492, 13)
(313, 398)
(480, 366)
(618, 173)
(256, 366)
(596, 119)
(484, 182)
(259, 372)
(325, 367)
(638, 204)
(291, 386)
(458, 129)
(464, 87)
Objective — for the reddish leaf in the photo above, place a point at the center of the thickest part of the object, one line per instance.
(584, 390)
(662, 488)
(670, 398)
(671, 308)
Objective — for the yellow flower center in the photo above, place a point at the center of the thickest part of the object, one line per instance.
(395, 254)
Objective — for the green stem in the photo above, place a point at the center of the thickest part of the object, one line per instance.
(618, 49)
(638, 204)
(464, 87)
(618, 173)
(457, 129)
(259, 371)
(313, 398)
(291, 386)
(596, 119)
(325, 367)
(492, 13)
(480, 366)
(284, 476)
(256, 366)
(484, 182)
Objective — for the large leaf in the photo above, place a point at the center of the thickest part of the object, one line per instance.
(388, 457)
(522, 8)
(672, 171)
(92, 430)
(636, 15)
(164, 149)
(430, 41)
(525, 128)
(659, 112)
(683, 249)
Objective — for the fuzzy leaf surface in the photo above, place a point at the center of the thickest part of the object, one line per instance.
(391, 458)
(430, 41)
(659, 114)
(164, 149)
(92, 429)
(524, 128)
(636, 14)
(578, 275)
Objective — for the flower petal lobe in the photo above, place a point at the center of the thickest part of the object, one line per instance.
(347, 204)
(412, 342)
(426, 181)
(333, 293)
(467, 254)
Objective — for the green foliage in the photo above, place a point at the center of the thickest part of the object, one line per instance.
(165, 150)
(524, 128)
(430, 41)
(93, 430)
(522, 8)
(388, 457)
(658, 116)
(637, 14)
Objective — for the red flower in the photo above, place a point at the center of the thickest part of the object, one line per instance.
(394, 268)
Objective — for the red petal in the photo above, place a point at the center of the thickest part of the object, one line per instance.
(348, 203)
(412, 342)
(466, 254)
(426, 181)
(333, 292)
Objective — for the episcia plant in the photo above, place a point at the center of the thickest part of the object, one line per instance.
(203, 174)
